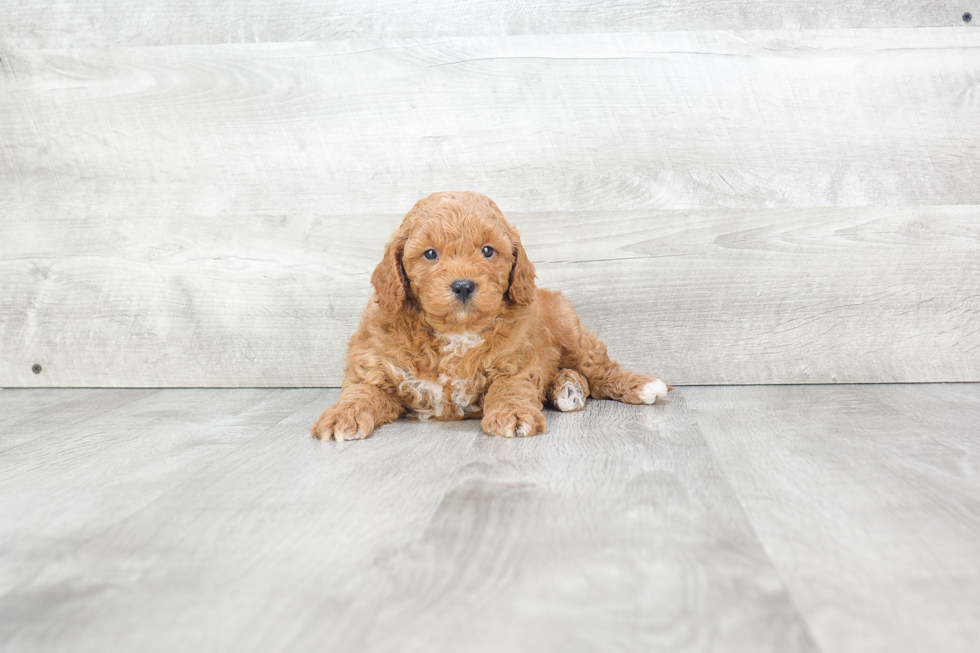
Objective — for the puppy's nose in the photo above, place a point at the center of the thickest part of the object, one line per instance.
(463, 289)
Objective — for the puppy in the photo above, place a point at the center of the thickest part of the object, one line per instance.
(457, 329)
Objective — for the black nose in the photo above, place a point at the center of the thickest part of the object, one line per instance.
(463, 288)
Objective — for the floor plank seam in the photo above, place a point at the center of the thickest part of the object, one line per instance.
(755, 532)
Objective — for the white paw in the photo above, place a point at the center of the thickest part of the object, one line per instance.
(570, 397)
(652, 391)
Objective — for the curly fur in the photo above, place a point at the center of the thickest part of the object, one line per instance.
(421, 351)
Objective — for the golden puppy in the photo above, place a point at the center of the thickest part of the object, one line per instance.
(457, 329)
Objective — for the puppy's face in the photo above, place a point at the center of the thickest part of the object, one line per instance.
(459, 259)
(458, 265)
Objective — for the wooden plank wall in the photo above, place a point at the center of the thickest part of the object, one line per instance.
(731, 192)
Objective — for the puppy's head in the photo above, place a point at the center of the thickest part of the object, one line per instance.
(457, 259)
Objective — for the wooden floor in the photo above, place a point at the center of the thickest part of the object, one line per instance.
(789, 518)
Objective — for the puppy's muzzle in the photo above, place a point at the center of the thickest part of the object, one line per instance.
(463, 289)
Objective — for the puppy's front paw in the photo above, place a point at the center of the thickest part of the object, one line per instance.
(514, 421)
(343, 423)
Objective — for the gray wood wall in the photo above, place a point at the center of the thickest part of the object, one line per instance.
(731, 192)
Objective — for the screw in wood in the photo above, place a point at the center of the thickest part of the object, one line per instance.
(967, 17)
(36, 369)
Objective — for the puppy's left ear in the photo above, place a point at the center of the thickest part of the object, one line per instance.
(522, 288)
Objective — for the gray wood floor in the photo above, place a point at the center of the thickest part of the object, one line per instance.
(788, 518)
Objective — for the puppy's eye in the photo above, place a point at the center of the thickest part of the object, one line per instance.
(487, 251)
(430, 254)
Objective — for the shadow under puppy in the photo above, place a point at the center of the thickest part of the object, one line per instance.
(457, 329)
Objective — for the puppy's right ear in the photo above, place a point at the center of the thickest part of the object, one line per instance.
(388, 279)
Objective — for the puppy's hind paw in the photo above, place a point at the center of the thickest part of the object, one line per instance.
(568, 391)
(652, 391)
(569, 397)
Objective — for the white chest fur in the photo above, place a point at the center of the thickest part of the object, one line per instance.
(457, 344)
(449, 395)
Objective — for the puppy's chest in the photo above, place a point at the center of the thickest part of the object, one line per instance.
(451, 389)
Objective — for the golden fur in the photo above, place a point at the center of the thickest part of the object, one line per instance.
(500, 355)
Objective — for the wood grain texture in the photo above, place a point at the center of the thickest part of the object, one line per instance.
(208, 215)
(19, 404)
(27, 414)
(64, 486)
(866, 498)
(96, 23)
(616, 531)
(555, 123)
(708, 296)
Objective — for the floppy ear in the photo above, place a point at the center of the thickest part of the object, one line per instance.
(388, 278)
(522, 289)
